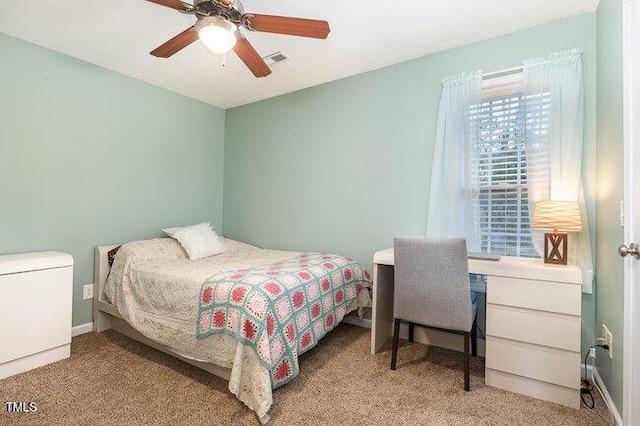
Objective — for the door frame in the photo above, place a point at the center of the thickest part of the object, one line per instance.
(631, 117)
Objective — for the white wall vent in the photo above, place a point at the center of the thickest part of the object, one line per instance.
(276, 58)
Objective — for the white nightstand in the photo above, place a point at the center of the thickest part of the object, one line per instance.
(35, 310)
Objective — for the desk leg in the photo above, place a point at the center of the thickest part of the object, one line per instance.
(382, 314)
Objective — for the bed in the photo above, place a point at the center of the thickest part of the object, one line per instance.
(244, 315)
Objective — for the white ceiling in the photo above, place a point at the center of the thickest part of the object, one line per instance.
(365, 35)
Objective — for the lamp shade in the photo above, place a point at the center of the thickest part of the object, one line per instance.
(557, 215)
(217, 34)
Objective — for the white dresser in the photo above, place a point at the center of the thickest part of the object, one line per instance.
(35, 310)
(533, 334)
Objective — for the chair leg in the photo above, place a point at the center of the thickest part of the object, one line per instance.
(474, 337)
(396, 337)
(467, 361)
(411, 325)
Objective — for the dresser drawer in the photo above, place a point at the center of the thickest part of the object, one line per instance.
(547, 365)
(532, 294)
(553, 330)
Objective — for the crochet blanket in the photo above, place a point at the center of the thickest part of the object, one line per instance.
(281, 310)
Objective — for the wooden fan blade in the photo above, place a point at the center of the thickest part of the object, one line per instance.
(290, 26)
(176, 44)
(251, 58)
(173, 4)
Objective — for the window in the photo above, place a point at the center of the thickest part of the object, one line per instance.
(498, 163)
(505, 141)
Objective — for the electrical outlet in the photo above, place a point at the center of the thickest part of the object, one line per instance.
(608, 340)
(87, 291)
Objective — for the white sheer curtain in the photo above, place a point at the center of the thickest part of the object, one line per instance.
(450, 195)
(554, 145)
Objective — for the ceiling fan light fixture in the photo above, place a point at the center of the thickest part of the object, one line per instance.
(217, 34)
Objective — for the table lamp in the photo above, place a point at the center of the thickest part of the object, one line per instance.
(561, 217)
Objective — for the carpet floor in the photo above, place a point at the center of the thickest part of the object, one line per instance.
(112, 380)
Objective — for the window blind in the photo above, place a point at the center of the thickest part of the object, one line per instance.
(498, 162)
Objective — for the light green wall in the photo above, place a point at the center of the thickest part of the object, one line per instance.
(89, 157)
(609, 292)
(346, 166)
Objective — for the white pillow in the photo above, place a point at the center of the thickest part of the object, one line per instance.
(199, 241)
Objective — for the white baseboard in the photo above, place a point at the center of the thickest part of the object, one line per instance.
(607, 398)
(439, 338)
(422, 335)
(81, 329)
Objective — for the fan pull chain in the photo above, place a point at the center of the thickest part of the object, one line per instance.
(224, 59)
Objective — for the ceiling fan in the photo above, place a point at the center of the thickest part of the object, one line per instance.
(218, 27)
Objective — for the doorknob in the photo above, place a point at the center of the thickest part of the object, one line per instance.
(633, 250)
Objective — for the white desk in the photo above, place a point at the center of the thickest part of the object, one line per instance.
(533, 324)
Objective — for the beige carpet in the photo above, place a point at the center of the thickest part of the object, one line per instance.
(112, 380)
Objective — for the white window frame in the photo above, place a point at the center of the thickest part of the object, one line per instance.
(503, 85)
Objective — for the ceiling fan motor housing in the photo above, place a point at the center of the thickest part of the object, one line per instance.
(232, 13)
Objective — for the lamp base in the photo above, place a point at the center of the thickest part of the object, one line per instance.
(555, 248)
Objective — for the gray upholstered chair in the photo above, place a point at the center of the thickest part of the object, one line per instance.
(432, 290)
